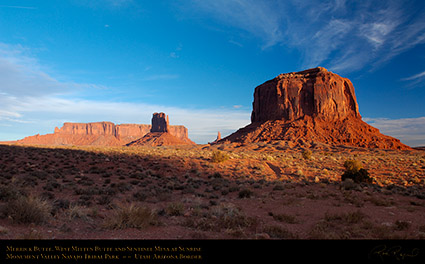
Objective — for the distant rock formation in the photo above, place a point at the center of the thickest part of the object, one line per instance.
(100, 133)
(160, 135)
(160, 123)
(217, 139)
(218, 136)
(314, 105)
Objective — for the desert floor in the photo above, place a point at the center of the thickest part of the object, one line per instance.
(227, 191)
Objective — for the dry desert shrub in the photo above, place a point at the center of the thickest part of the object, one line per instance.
(400, 225)
(131, 216)
(219, 156)
(340, 226)
(245, 193)
(279, 232)
(26, 210)
(76, 211)
(224, 216)
(279, 186)
(9, 192)
(175, 209)
(3, 230)
(230, 217)
(306, 154)
(355, 172)
(352, 165)
(290, 219)
(32, 235)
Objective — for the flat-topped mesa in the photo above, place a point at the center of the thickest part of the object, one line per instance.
(160, 123)
(317, 93)
(106, 133)
(94, 128)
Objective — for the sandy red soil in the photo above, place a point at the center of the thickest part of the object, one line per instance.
(258, 191)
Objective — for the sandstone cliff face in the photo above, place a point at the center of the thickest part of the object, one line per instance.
(314, 105)
(99, 133)
(315, 92)
(97, 128)
(130, 132)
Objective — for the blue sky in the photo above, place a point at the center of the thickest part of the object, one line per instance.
(199, 61)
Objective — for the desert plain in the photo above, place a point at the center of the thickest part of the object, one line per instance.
(263, 190)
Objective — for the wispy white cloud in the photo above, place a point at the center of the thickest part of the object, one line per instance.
(343, 35)
(48, 112)
(22, 75)
(415, 77)
(109, 4)
(410, 131)
(415, 81)
(231, 41)
(18, 7)
(32, 101)
(357, 35)
(256, 17)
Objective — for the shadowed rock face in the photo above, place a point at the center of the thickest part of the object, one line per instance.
(315, 93)
(314, 105)
(160, 123)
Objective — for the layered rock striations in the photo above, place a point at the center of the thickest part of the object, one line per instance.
(314, 105)
(315, 93)
(99, 133)
(160, 134)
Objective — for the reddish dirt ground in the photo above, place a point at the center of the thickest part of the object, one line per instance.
(223, 191)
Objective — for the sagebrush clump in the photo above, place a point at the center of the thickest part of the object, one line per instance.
(27, 210)
(245, 193)
(306, 154)
(354, 171)
(131, 216)
(219, 156)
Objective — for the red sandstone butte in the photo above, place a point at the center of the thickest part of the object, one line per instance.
(314, 105)
(160, 135)
(160, 123)
(99, 133)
